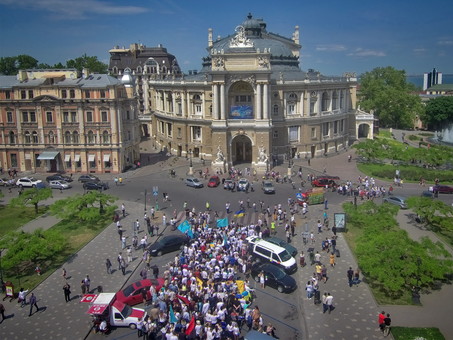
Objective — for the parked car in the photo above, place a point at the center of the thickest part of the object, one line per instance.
(58, 177)
(243, 184)
(28, 182)
(5, 182)
(268, 187)
(95, 186)
(229, 184)
(193, 182)
(396, 200)
(132, 294)
(443, 189)
(214, 181)
(427, 193)
(88, 178)
(322, 181)
(59, 184)
(275, 277)
(168, 244)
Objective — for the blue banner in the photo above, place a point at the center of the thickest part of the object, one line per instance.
(222, 222)
(185, 228)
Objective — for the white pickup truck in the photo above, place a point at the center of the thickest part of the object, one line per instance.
(104, 306)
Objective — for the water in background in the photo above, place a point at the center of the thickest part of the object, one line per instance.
(418, 80)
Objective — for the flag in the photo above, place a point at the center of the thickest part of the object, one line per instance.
(190, 326)
(239, 213)
(172, 315)
(185, 228)
(222, 222)
(241, 285)
(183, 299)
(200, 283)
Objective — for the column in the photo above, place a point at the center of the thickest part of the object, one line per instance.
(222, 101)
(215, 101)
(183, 104)
(330, 101)
(266, 102)
(301, 104)
(258, 101)
(165, 108)
(173, 103)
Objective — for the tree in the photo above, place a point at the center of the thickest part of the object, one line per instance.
(386, 91)
(438, 112)
(90, 63)
(88, 207)
(11, 65)
(32, 197)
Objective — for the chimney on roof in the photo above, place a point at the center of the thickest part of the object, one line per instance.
(85, 73)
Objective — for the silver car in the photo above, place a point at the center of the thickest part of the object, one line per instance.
(193, 182)
(396, 200)
(59, 184)
(268, 187)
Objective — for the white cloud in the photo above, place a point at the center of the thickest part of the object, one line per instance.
(419, 50)
(445, 42)
(78, 9)
(331, 48)
(361, 52)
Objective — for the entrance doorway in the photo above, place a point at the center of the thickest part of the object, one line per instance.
(242, 150)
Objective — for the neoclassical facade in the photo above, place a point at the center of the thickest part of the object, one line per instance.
(251, 103)
(58, 121)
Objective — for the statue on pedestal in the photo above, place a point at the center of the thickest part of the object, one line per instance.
(220, 158)
(262, 157)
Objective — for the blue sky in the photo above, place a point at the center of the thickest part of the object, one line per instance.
(336, 36)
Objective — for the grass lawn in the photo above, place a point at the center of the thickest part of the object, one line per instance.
(15, 217)
(77, 234)
(407, 333)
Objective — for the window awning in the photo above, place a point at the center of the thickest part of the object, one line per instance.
(67, 158)
(106, 158)
(48, 155)
(77, 158)
(91, 158)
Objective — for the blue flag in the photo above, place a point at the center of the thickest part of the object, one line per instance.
(185, 228)
(172, 315)
(222, 222)
(239, 213)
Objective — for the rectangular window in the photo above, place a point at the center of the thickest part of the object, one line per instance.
(9, 117)
(64, 94)
(7, 94)
(128, 115)
(162, 127)
(102, 93)
(342, 125)
(275, 134)
(335, 127)
(198, 109)
(293, 133)
(291, 109)
(33, 116)
(104, 116)
(325, 129)
(30, 94)
(71, 93)
(74, 117)
(49, 117)
(87, 94)
(23, 94)
(65, 117)
(179, 133)
(313, 132)
(13, 160)
(169, 130)
(275, 110)
(35, 138)
(196, 133)
(24, 117)
(89, 116)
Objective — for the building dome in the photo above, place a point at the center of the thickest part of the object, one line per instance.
(127, 78)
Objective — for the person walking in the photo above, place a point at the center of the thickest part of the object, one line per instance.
(302, 259)
(129, 254)
(155, 271)
(119, 259)
(108, 265)
(67, 292)
(123, 242)
(324, 303)
(329, 302)
(22, 297)
(87, 283)
(350, 274)
(33, 303)
(123, 266)
(123, 209)
(63, 273)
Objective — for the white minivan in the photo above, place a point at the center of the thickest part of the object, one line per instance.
(268, 252)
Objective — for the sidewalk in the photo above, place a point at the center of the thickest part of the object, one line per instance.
(57, 319)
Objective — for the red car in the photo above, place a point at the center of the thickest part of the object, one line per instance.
(132, 294)
(214, 181)
(443, 189)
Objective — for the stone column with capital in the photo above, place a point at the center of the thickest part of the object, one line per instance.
(259, 100)
(222, 101)
(266, 102)
(215, 101)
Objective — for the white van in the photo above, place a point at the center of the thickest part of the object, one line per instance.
(262, 250)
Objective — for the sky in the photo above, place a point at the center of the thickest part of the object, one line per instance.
(336, 36)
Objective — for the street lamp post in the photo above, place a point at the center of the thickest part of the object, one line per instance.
(145, 200)
(290, 164)
(190, 163)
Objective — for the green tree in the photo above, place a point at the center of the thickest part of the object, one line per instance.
(11, 65)
(438, 112)
(90, 63)
(385, 91)
(32, 197)
(88, 207)
(434, 213)
(25, 250)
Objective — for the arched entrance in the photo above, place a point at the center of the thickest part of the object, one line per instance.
(363, 131)
(241, 150)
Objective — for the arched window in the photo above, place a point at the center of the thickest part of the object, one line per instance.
(27, 137)
(325, 101)
(91, 137)
(51, 137)
(151, 66)
(75, 137)
(35, 137)
(335, 100)
(139, 70)
(292, 97)
(12, 138)
(67, 137)
(105, 137)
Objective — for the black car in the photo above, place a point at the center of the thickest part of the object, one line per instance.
(168, 244)
(275, 277)
(58, 177)
(95, 186)
(88, 178)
